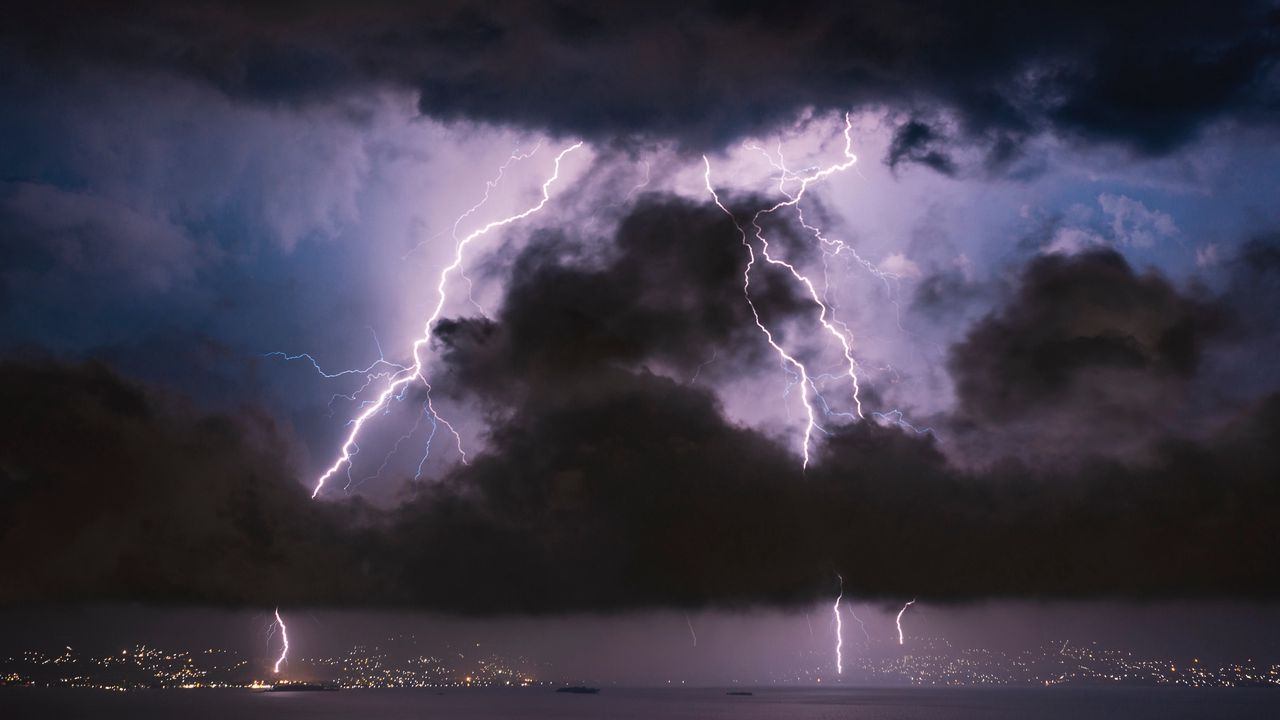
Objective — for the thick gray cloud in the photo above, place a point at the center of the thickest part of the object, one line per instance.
(113, 492)
(668, 289)
(915, 141)
(607, 479)
(1085, 356)
(636, 494)
(602, 485)
(77, 237)
(1147, 77)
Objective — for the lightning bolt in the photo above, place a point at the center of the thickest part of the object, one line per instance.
(489, 187)
(644, 183)
(830, 247)
(866, 635)
(895, 417)
(786, 358)
(692, 635)
(839, 629)
(898, 620)
(714, 354)
(400, 380)
(836, 329)
(284, 640)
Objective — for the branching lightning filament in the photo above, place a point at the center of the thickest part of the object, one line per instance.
(400, 380)
(836, 329)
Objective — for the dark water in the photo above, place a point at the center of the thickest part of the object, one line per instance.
(623, 704)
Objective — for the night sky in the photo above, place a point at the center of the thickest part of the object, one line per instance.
(1055, 265)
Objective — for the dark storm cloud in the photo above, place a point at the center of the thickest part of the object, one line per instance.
(639, 485)
(946, 295)
(1088, 332)
(631, 492)
(1148, 77)
(1255, 282)
(668, 289)
(603, 485)
(915, 141)
(112, 492)
(1087, 356)
(635, 494)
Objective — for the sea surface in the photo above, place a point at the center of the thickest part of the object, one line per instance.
(646, 704)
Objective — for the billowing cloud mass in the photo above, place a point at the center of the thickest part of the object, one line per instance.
(84, 236)
(604, 485)
(1087, 356)
(668, 290)
(155, 502)
(1063, 256)
(704, 73)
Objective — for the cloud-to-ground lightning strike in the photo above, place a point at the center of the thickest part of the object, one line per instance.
(284, 643)
(416, 372)
(839, 629)
(898, 620)
(692, 635)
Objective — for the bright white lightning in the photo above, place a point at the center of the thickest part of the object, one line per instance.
(284, 640)
(836, 329)
(839, 629)
(898, 620)
(786, 357)
(830, 246)
(402, 379)
(387, 369)
(488, 188)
